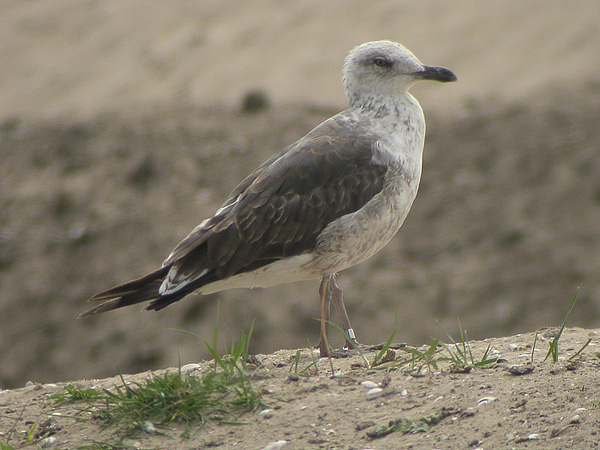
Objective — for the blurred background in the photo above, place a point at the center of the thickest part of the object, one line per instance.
(124, 124)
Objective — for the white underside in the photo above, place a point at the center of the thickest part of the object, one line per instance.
(296, 268)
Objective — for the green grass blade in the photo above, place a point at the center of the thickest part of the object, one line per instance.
(553, 349)
(387, 344)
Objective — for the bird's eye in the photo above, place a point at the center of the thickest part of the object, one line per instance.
(382, 62)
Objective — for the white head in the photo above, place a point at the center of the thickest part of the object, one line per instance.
(385, 68)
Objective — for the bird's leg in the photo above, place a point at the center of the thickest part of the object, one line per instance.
(325, 296)
(351, 342)
(338, 301)
(324, 349)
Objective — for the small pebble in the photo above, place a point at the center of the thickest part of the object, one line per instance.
(259, 361)
(148, 427)
(266, 413)
(275, 445)
(369, 384)
(513, 347)
(364, 425)
(469, 412)
(48, 442)
(521, 369)
(404, 393)
(373, 392)
(575, 419)
(385, 382)
(533, 436)
(191, 368)
(485, 400)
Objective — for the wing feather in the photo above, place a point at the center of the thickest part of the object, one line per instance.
(280, 209)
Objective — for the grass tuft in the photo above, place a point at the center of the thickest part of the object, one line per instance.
(419, 360)
(222, 395)
(461, 355)
(174, 397)
(553, 349)
(74, 393)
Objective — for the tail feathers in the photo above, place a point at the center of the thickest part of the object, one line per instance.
(163, 301)
(137, 291)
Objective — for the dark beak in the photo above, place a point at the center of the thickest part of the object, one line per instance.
(435, 74)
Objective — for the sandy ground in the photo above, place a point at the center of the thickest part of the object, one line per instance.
(121, 129)
(511, 404)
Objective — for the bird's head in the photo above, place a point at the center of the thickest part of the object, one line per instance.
(385, 68)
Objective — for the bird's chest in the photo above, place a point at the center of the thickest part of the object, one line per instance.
(356, 237)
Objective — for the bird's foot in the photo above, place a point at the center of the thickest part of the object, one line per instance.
(344, 352)
(354, 348)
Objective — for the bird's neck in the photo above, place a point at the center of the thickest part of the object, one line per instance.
(395, 113)
(379, 105)
(399, 123)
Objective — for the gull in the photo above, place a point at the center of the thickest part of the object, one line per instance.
(329, 201)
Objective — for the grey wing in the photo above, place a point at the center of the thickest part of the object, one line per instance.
(280, 209)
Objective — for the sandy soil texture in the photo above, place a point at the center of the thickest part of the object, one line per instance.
(511, 404)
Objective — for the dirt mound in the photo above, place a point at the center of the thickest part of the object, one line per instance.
(511, 403)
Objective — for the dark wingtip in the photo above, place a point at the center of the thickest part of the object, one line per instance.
(136, 291)
(103, 307)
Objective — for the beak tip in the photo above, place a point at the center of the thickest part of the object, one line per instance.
(440, 74)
